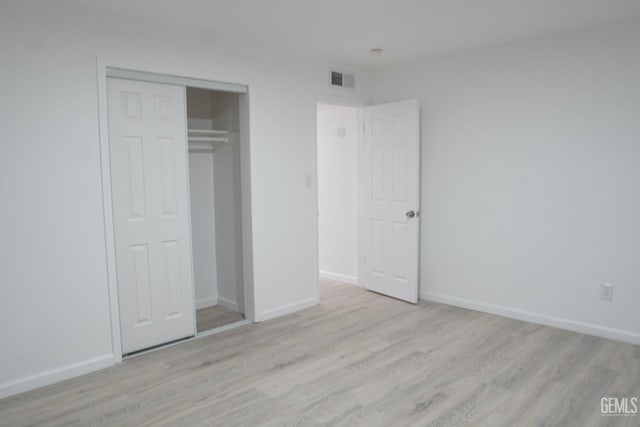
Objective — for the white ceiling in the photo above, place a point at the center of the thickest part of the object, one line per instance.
(345, 30)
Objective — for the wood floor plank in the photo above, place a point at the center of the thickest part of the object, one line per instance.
(358, 358)
(215, 316)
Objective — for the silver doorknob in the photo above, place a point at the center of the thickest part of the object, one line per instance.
(410, 214)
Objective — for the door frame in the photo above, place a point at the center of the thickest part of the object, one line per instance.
(246, 111)
(359, 106)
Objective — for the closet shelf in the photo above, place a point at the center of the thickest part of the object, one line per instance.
(207, 132)
(222, 139)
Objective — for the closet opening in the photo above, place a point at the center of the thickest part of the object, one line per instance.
(213, 135)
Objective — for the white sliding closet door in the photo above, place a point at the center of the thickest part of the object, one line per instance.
(148, 148)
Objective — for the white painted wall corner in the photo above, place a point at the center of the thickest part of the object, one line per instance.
(288, 309)
(206, 302)
(351, 280)
(227, 303)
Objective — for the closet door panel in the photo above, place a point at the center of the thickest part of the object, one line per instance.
(148, 151)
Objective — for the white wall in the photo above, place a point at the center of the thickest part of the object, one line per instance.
(338, 192)
(56, 319)
(227, 180)
(201, 188)
(220, 111)
(229, 226)
(530, 177)
(203, 235)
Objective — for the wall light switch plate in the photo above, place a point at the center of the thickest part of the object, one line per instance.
(606, 292)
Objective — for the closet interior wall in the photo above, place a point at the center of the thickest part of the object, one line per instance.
(216, 215)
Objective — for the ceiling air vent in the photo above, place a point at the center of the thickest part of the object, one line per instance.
(342, 80)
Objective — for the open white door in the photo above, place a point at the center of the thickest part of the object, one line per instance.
(148, 149)
(391, 184)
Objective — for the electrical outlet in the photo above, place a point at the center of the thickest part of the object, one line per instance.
(606, 292)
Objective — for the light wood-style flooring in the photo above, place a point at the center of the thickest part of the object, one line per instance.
(215, 316)
(356, 359)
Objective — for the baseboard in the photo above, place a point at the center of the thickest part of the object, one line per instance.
(288, 309)
(227, 303)
(206, 302)
(31, 382)
(352, 280)
(543, 319)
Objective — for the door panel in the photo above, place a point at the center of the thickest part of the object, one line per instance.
(391, 184)
(148, 152)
